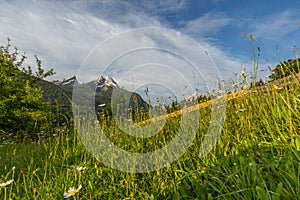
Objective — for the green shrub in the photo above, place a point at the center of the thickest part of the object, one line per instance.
(23, 114)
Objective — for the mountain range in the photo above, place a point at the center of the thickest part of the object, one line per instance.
(59, 94)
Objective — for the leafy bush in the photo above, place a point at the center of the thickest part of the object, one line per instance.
(285, 68)
(23, 114)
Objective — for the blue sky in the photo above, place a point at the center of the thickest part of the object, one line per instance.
(62, 33)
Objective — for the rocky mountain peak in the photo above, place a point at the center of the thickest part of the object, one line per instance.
(66, 81)
(104, 81)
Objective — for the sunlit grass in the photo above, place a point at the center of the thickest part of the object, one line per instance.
(256, 157)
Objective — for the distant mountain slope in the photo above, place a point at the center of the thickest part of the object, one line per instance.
(59, 94)
(60, 100)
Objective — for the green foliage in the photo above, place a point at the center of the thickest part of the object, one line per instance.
(285, 68)
(23, 113)
(256, 157)
(60, 100)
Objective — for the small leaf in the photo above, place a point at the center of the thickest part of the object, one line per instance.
(293, 143)
(261, 193)
(279, 188)
(209, 196)
(297, 142)
(152, 197)
(276, 195)
(251, 36)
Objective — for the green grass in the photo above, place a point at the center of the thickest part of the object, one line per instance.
(256, 157)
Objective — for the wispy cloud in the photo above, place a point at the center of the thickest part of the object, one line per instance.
(204, 29)
(207, 25)
(275, 26)
(62, 33)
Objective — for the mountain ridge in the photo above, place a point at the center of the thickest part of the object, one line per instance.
(59, 93)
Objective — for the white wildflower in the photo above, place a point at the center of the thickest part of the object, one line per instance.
(80, 168)
(240, 110)
(71, 192)
(243, 73)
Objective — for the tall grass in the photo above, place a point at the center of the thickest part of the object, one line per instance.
(256, 157)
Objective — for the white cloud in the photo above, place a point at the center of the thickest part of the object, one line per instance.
(225, 63)
(159, 50)
(207, 25)
(275, 26)
(62, 33)
(204, 29)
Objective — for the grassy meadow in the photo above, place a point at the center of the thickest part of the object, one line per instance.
(256, 157)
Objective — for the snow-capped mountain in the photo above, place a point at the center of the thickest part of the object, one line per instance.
(101, 82)
(106, 81)
(66, 82)
(103, 87)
